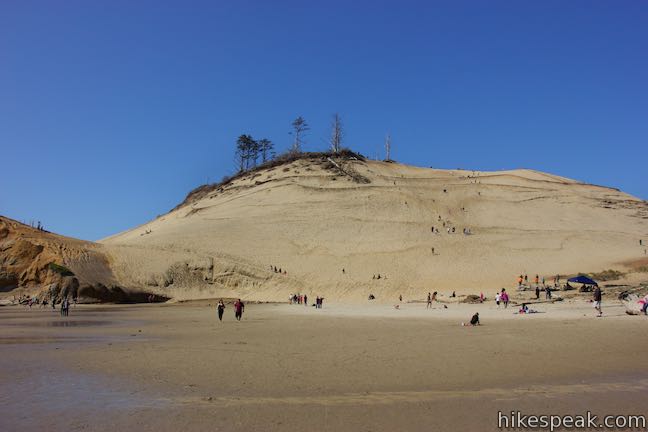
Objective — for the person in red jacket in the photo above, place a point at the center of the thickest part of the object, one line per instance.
(239, 307)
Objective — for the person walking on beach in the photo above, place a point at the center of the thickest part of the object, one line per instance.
(537, 292)
(597, 301)
(65, 307)
(547, 293)
(305, 300)
(429, 301)
(498, 298)
(221, 309)
(505, 298)
(238, 309)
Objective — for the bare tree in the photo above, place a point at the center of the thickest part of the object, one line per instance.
(300, 127)
(388, 147)
(336, 133)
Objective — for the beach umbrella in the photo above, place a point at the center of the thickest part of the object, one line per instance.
(583, 280)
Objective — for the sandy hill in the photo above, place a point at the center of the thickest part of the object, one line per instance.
(333, 225)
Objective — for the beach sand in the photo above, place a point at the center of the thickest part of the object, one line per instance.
(361, 367)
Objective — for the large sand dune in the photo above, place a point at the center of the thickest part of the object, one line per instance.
(313, 218)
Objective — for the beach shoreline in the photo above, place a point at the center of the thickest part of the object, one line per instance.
(170, 366)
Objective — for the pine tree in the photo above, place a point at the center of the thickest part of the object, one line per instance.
(241, 152)
(266, 148)
(246, 152)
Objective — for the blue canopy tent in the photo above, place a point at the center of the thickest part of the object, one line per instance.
(582, 280)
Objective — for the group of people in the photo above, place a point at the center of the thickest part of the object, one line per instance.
(547, 291)
(431, 298)
(524, 280)
(524, 309)
(278, 270)
(29, 301)
(451, 230)
(298, 299)
(502, 297)
(65, 307)
(239, 307)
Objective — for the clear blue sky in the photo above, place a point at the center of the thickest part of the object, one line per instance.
(110, 112)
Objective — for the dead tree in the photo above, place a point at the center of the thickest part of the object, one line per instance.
(300, 127)
(336, 133)
(388, 147)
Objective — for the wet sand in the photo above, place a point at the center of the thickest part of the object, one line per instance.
(343, 368)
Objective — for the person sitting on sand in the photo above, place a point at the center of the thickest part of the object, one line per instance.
(474, 321)
(524, 309)
(644, 304)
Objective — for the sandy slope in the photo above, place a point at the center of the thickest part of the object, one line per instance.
(313, 221)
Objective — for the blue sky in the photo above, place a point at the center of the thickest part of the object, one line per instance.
(110, 112)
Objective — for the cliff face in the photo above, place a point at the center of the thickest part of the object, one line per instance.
(35, 262)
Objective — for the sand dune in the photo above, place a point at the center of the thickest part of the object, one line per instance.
(313, 220)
